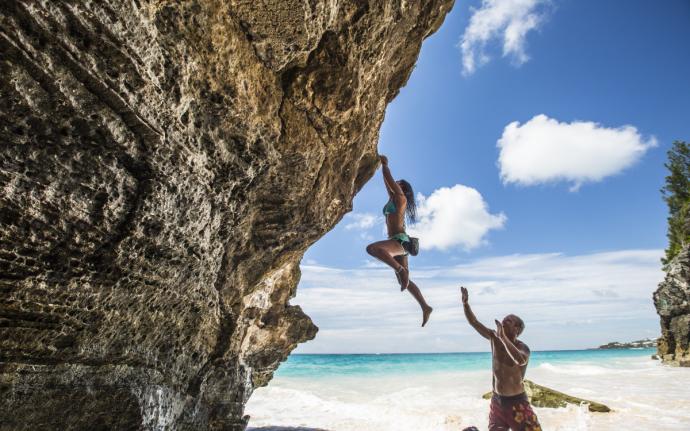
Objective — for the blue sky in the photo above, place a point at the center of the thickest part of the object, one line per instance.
(596, 92)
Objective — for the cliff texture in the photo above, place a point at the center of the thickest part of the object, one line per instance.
(164, 166)
(672, 301)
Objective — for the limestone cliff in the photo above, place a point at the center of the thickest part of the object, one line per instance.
(164, 166)
(672, 301)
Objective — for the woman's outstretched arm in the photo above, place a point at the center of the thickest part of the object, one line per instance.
(391, 185)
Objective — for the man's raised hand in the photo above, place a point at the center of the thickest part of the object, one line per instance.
(464, 295)
(384, 160)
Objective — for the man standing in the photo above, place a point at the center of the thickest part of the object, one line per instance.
(510, 408)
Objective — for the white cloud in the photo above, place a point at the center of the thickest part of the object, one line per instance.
(567, 302)
(545, 150)
(361, 221)
(373, 263)
(509, 20)
(455, 216)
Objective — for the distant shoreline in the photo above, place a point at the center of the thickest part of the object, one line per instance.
(639, 344)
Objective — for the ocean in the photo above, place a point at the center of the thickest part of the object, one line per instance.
(442, 391)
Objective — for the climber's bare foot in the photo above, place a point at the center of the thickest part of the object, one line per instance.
(403, 277)
(426, 312)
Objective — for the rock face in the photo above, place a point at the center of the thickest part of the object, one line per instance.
(164, 167)
(541, 396)
(672, 301)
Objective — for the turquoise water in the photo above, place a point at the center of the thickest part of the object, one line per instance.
(337, 365)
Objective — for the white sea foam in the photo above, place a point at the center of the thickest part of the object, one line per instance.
(643, 394)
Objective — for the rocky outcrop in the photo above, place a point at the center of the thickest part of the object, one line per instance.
(672, 301)
(541, 396)
(164, 166)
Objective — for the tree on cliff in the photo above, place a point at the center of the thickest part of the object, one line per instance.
(676, 193)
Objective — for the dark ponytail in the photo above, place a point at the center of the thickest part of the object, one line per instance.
(411, 209)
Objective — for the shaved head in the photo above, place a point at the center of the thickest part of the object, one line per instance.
(519, 323)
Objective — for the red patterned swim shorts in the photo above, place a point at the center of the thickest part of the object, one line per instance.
(512, 413)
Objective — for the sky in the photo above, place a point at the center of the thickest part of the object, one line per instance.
(534, 133)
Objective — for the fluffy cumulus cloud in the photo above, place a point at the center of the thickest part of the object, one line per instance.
(567, 302)
(507, 20)
(361, 221)
(545, 150)
(452, 217)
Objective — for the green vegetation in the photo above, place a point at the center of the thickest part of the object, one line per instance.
(676, 193)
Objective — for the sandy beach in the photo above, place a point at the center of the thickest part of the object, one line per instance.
(642, 393)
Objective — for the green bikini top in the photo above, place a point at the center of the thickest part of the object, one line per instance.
(389, 208)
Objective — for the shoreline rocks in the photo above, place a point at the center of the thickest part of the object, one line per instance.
(672, 302)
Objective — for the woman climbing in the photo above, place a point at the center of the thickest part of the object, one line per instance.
(393, 251)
